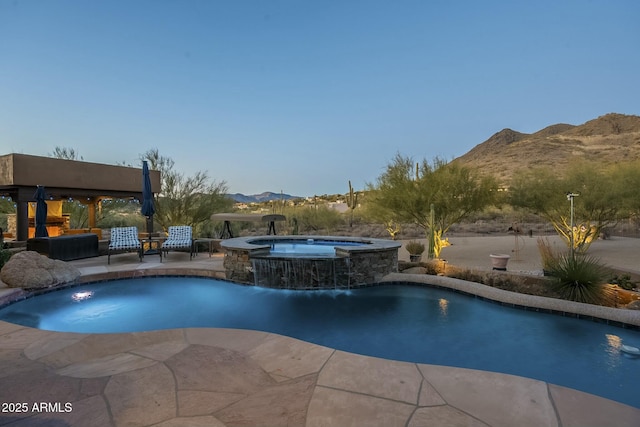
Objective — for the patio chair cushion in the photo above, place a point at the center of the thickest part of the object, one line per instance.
(179, 237)
(124, 238)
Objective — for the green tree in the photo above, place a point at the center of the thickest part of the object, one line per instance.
(600, 200)
(6, 207)
(432, 195)
(185, 200)
(627, 176)
(379, 214)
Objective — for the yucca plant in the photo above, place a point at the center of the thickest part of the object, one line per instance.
(580, 278)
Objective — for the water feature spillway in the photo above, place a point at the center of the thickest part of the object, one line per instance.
(301, 272)
(309, 262)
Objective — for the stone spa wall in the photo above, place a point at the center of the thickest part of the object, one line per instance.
(352, 266)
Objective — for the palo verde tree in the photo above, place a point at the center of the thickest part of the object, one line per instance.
(432, 195)
(628, 176)
(379, 214)
(65, 153)
(185, 200)
(602, 196)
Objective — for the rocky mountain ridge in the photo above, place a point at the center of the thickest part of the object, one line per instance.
(262, 197)
(609, 139)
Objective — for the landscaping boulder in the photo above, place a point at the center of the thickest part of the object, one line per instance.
(29, 269)
(634, 305)
(415, 270)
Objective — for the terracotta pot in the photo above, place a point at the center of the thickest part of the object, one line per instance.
(499, 261)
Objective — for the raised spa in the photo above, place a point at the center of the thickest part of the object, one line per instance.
(309, 262)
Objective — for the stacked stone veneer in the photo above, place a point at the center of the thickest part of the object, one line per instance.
(353, 268)
(371, 266)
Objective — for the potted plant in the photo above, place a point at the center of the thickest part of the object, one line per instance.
(415, 250)
(499, 261)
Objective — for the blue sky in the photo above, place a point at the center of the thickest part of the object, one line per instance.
(303, 96)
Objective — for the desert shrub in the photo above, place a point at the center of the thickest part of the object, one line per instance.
(242, 228)
(321, 218)
(580, 278)
(434, 267)
(548, 254)
(497, 280)
(208, 229)
(468, 275)
(624, 281)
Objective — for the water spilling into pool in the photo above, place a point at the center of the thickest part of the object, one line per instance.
(309, 262)
(288, 273)
(409, 323)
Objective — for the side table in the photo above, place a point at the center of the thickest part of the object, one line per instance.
(203, 240)
(155, 247)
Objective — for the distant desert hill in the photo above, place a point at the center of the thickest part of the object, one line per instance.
(611, 138)
(262, 197)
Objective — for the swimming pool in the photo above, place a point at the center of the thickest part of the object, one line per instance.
(401, 322)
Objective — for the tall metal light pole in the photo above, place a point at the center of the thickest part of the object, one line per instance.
(570, 197)
(432, 222)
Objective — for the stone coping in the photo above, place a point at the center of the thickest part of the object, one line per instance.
(372, 245)
(623, 317)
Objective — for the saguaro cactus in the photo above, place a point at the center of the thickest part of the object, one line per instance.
(352, 202)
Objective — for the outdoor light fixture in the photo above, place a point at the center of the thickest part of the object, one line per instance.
(81, 295)
(570, 196)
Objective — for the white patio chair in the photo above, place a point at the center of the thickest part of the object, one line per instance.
(124, 239)
(180, 239)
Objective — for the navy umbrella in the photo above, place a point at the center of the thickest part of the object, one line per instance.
(41, 213)
(147, 197)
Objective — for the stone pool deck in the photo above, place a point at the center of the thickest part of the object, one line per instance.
(222, 377)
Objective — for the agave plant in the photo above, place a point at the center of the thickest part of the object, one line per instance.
(580, 278)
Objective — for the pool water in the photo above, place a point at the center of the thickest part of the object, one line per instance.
(306, 247)
(401, 322)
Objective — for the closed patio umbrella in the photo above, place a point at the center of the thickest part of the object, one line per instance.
(41, 213)
(148, 209)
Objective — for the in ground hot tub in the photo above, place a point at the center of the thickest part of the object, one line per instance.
(309, 262)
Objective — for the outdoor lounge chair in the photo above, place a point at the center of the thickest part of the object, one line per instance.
(124, 239)
(179, 239)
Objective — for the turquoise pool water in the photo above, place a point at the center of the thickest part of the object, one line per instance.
(309, 247)
(402, 322)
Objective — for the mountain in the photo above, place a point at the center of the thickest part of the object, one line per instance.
(611, 138)
(262, 197)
